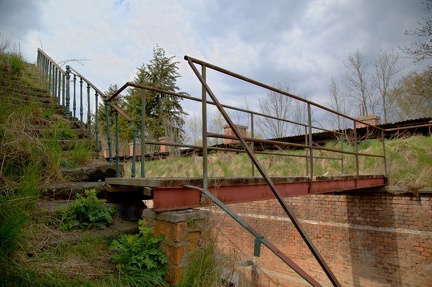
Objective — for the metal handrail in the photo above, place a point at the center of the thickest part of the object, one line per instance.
(58, 84)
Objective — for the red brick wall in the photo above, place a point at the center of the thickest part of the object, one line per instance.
(367, 238)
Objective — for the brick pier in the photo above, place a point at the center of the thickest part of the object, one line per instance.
(184, 231)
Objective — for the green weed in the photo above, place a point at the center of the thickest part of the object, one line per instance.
(86, 212)
(139, 256)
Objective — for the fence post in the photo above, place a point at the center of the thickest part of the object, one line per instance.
(204, 131)
(356, 153)
(310, 142)
(117, 148)
(74, 96)
(88, 111)
(143, 107)
(133, 152)
(67, 90)
(108, 132)
(97, 122)
(81, 104)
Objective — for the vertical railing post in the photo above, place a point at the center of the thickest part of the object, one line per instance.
(54, 91)
(117, 146)
(74, 96)
(38, 61)
(50, 80)
(45, 68)
(204, 130)
(307, 151)
(58, 88)
(108, 132)
(341, 139)
(67, 90)
(81, 104)
(88, 111)
(134, 153)
(356, 153)
(64, 93)
(96, 123)
(252, 144)
(311, 159)
(384, 152)
(143, 107)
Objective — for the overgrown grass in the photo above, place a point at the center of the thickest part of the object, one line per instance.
(409, 162)
(24, 163)
(28, 160)
(207, 266)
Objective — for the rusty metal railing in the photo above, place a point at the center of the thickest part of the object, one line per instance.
(271, 185)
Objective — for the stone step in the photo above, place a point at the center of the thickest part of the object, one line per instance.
(91, 173)
(81, 133)
(129, 212)
(53, 237)
(71, 189)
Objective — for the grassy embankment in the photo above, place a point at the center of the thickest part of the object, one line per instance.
(409, 163)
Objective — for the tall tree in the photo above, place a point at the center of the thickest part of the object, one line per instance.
(280, 106)
(422, 48)
(385, 80)
(163, 112)
(337, 103)
(358, 82)
(414, 96)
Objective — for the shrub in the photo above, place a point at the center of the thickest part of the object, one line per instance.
(86, 212)
(138, 255)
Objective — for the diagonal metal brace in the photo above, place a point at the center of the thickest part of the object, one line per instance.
(259, 239)
(261, 170)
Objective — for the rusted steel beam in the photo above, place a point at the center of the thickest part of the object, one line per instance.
(175, 198)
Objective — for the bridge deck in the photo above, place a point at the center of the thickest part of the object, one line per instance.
(169, 193)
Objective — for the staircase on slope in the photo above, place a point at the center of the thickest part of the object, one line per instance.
(69, 132)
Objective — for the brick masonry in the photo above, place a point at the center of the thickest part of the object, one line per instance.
(367, 238)
(184, 231)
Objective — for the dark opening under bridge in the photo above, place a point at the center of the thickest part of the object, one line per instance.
(183, 193)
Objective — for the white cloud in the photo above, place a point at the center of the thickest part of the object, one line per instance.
(299, 43)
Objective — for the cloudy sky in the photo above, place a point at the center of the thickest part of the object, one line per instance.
(300, 44)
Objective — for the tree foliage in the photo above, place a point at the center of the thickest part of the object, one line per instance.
(414, 96)
(163, 112)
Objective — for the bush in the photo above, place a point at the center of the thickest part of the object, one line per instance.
(86, 212)
(138, 255)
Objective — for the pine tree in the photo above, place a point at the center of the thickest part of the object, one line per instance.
(163, 113)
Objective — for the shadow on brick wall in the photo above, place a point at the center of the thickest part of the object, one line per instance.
(373, 245)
